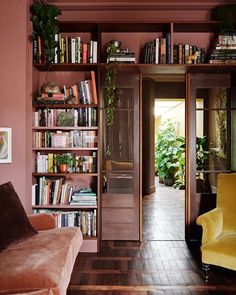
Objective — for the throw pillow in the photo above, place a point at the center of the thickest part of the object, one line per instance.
(14, 223)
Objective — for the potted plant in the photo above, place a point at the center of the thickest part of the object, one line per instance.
(180, 155)
(166, 148)
(226, 14)
(44, 18)
(63, 162)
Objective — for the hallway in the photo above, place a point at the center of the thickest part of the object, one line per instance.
(164, 214)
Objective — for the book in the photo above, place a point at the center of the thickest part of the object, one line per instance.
(163, 50)
(94, 88)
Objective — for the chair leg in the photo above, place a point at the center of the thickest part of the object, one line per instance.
(206, 269)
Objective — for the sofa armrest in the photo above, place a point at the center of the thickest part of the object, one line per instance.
(212, 224)
(42, 221)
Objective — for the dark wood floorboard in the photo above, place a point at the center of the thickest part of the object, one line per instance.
(159, 211)
(153, 267)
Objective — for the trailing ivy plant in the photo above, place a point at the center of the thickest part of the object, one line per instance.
(111, 90)
(226, 14)
(110, 82)
(44, 18)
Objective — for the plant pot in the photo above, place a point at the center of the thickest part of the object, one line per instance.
(160, 179)
(63, 168)
(169, 181)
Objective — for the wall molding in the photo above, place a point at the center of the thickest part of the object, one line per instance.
(137, 5)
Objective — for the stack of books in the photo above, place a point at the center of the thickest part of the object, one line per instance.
(84, 197)
(122, 57)
(225, 49)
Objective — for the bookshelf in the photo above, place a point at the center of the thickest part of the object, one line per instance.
(132, 35)
(64, 194)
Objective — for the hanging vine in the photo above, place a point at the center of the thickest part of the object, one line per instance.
(111, 90)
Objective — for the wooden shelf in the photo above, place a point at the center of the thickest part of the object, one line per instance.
(63, 174)
(63, 207)
(137, 68)
(65, 128)
(65, 149)
(66, 67)
(63, 105)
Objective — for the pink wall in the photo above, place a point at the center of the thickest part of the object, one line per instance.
(13, 99)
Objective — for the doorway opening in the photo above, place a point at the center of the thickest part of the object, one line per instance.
(164, 208)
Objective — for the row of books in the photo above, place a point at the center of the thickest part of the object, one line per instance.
(56, 191)
(84, 92)
(85, 220)
(225, 49)
(51, 191)
(65, 139)
(158, 51)
(48, 117)
(84, 197)
(46, 163)
(69, 49)
(188, 54)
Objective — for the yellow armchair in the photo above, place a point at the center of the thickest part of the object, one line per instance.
(219, 227)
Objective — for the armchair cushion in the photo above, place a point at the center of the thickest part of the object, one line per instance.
(212, 225)
(14, 223)
(221, 251)
(219, 226)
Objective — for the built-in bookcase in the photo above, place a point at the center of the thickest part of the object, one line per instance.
(67, 124)
(70, 71)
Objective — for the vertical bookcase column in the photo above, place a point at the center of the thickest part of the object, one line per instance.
(65, 124)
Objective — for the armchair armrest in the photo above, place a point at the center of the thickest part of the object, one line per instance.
(42, 221)
(212, 224)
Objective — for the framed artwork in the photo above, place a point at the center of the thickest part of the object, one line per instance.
(5, 145)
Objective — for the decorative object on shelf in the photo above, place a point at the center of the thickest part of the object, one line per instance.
(192, 58)
(5, 145)
(50, 88)
(44, 29)
(63, 161)
(65, 119)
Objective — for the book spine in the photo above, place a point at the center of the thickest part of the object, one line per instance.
(94, 88)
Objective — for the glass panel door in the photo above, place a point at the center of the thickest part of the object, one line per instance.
(120, 174)
(210, 142)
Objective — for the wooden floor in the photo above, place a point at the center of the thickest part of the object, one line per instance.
(160, 209)
(153, 267)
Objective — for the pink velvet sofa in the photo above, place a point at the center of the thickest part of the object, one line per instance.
(41, 264)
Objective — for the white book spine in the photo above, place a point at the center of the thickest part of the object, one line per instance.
(56, 49)
(157, 49)
(95, 51)
(73, 50)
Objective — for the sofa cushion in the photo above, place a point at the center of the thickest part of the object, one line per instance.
(14, 224)
(43, 262)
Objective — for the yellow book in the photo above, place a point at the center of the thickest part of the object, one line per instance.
(50, 163)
